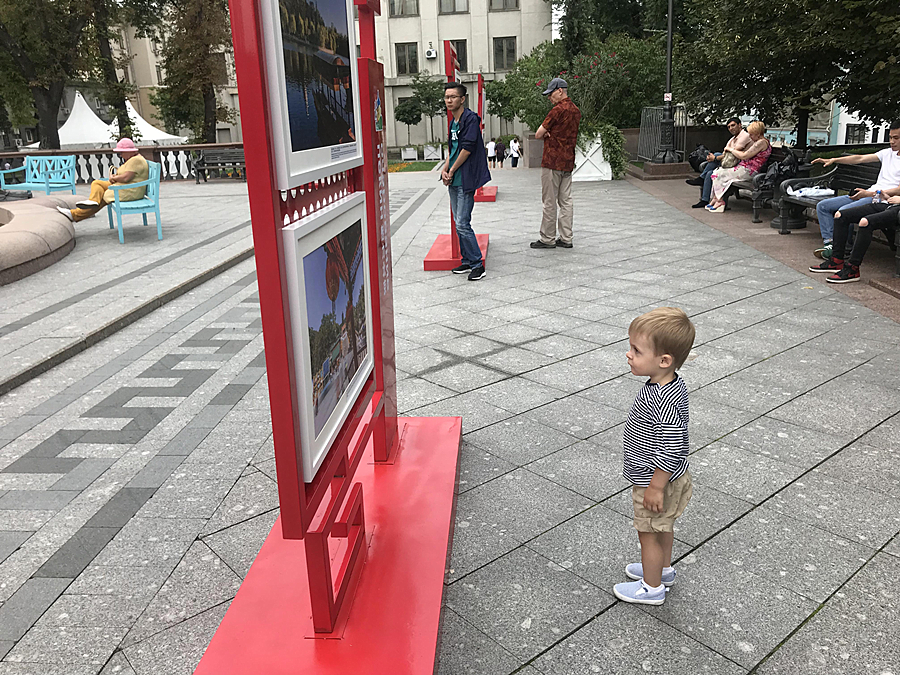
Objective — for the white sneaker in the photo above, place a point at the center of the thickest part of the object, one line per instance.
(639, 593)
(636, 571)
(66, 212)
(86, 204)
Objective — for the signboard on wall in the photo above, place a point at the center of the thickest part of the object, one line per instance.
(327, 270)
(310, 56)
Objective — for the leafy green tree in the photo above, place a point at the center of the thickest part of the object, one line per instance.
(409, 112)
(585, 21)
(428, 91)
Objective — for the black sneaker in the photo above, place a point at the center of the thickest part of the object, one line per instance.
(848, 274)
(540, 244)
(700, 204)
(563, 244)
(830, 265)
(462, 269)
(697, 181)
(477, 273)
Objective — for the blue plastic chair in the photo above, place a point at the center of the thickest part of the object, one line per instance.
(48, 174)
(149, 204)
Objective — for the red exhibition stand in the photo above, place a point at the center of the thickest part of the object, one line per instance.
(350, 579)
(444, 253)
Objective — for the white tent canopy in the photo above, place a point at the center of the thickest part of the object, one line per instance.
(83, 129)
(147, 134)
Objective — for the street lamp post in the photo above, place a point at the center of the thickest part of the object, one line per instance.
(666, 154)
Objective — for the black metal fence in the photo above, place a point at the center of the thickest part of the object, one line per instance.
(648, 140)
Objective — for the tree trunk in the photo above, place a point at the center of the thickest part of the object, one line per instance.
(46, 102)
(114, 92)
(802, 113)
(209, 113)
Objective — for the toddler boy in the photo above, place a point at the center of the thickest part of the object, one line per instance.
(656, 448)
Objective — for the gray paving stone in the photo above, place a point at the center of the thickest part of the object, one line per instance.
(525, 602)
(721, 607)
(199, 582)
(239, 544)
(176, 650)
(27, 604)
(423, 359)
(5, 646)
(475, 411)
(71, 558)
(26, 520)
(599, 333)
(120, 509)
(513, 360)
(468, 346)
(414, 392)
(93, 610)
(848, 510)
(68, 645)
(786, 442)
(582, 371)
(141, 582)
(36, 500)
(465, 649)
(513, 333)
(463, 377)
(811, 561)
(854, 633)
(478, 466)
(520, 440)
(578, 416)
(156, 471)
(618, 393)
(518, 394)
(43, 668)
(740, 473)
(867, 466)
(151, 541)
(592, 468)
(118, 665)
(710, 421)
(83, 475)
(560, 346)
(817, 409)
(250, 496)
(10, 541)
(616, 643)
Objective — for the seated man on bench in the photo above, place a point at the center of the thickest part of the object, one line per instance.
(888, 177)
(739, 140)
(134, 169)
(877, 215)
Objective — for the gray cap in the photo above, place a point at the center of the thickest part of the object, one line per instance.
(556, 83)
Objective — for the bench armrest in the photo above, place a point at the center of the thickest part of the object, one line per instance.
(21, 168)
(116, 188)
(795, 183)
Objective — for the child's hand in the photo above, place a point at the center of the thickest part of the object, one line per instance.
(653, 499)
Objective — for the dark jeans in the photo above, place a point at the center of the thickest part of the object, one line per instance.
(706, 175)
(461, 204)
(879, 216)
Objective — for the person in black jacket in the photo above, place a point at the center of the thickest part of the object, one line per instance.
(466, 170)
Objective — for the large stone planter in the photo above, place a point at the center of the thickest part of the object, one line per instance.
(590, 165)
(34, 235)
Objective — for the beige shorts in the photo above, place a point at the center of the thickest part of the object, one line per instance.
(676, 496)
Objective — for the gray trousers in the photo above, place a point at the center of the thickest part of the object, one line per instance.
(556, 188)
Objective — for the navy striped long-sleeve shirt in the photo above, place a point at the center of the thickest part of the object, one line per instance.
(656, 433)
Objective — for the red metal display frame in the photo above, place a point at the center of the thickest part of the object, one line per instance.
(361, 494)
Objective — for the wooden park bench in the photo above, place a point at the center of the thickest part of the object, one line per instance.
(762, 196)
(220, 159)
(842, 179)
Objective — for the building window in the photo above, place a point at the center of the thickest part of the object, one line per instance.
(504, 53)
(461, 56)
(856, 133)
(125, 78)
(404, 7)
(454, 6)
(407, 58)
(497, 5)
(159, 77)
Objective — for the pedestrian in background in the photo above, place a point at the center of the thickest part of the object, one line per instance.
(492, 153)
(514, 151)
(501, 152)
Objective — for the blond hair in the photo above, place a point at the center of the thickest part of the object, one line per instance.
(756, 127)
(669, 331)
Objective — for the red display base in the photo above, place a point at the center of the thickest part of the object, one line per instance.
(440, 257)
(486, 194)
(393, 619)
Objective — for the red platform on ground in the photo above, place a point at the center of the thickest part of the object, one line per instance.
(392, 625)
(488, 193)
(440, 257)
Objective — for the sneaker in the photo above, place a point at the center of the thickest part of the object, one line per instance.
(462, 269)
(66, 212)
(540, 244)
(849, 273)
(563, 244)
(636, 571)
(824, 252)
(697, 181)
(639, 593)
(477, 273)
(86, 204)
(831, 265)
(702, 204)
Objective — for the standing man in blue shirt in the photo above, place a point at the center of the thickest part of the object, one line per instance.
(466, 170)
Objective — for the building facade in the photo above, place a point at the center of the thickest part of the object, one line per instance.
(489, 36)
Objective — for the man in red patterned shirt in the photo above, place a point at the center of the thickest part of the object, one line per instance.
(559, 131)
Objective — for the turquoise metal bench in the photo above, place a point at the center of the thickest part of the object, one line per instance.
(149, 204)
(47, 174)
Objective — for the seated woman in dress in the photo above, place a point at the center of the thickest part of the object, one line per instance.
(751, 159)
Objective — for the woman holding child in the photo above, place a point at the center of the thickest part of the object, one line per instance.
(751, 159)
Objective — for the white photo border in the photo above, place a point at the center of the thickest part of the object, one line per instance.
(294, 169)
(301, 238)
